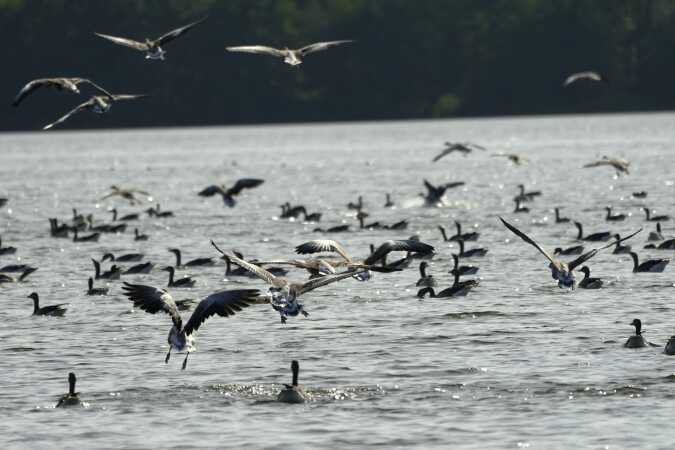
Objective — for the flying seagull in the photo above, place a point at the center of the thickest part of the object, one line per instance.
(620, 165)
(181, 337)
(152, 48)
(461, 147)
(292, 57)
(589, 75)
(560, 270)
(127, 194)
(229, 193)
(60, 84)
(98, 104)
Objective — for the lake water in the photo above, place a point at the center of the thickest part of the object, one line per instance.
(517, 363)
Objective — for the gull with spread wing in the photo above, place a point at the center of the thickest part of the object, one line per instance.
(98, 104)
(181, 338)
(283, 294)
(292, 57)
(560, 270)
(152, 48)
(60, 84)
(228, 194)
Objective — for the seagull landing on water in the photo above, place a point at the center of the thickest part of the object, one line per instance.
(60, 84)
(620, 165)
(152, 48)
(181, 338)
(98, 104)
(127, 194)
(291, 57)
(560, 270)
(228, 194)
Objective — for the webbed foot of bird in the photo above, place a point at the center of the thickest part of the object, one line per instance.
(305, 313)
(168, 355)
(185, 362)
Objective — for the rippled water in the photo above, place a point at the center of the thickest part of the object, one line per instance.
(517, 363)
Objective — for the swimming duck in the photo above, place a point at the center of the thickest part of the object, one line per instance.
(401, 225)
(462, 270)
(292, 57)
(620, 248)
(186, 282)
(519, 208)
(636, 341)
(4, 278)
(313, 217)
(72, 398)
(292, 393)
(129, 257)
(358, 206)
(124, 218)
(560, 270)
(650, 218)
(470, 236)
(181, 338)
(112, 274)
(56, 230)
(228, 194)
(425, 280)
(651, 265)
(152, 48)
(51, 310)
(139, 268)
(371, 226)
(94, 237)
(670, 346)
(458, 289)
(595, 237)
(11, 268)
(6, 250)
(335, 229)
(388, 203)
(559, 219)
(96, 291)
(656, 235)
(575, 250)
(60, 84)
(157, 212)
(526, 196)
(138, 236)
(609, 217)
(471, 253)
(641, 194)
(192, 263)
(587, 282)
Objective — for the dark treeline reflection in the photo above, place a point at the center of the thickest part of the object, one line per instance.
(412, 59)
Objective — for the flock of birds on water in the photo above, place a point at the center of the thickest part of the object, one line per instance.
(283, 295)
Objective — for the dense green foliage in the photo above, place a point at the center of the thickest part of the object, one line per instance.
(413, 58)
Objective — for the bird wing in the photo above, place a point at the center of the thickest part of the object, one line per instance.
(602, 162)
(430, 187)
(244, 183)
(173, 34)
(445, 152)
(77, 109)
(320, 46)
(590, 75)
(122, 97)
(152, 300)
(77, 81)
(453, 184)
(210, 191)
(322, 245)
(529, 240)
(124, 41)
(322, 281)
(257, 49)
(29, 88)
(408, 245)
(254, 269)
(591, 253)
(223, 303)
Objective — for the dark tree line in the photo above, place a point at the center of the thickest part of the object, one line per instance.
(412, 59)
